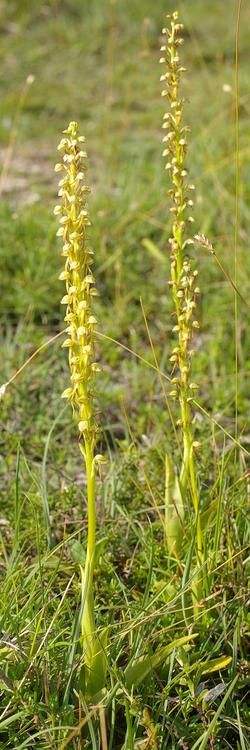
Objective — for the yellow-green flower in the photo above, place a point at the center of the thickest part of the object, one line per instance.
(78, 277)
(183, 277)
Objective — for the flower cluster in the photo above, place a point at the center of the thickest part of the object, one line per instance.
(80, 282)
(183, 278)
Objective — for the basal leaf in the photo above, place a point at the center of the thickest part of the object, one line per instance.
(140, 668)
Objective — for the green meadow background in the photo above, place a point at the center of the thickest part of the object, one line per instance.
(96, 62)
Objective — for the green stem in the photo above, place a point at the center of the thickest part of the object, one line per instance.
(195, 498)
(90, 470)
(188, 470)
(88, 622)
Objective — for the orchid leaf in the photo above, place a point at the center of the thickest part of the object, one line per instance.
(141, 667)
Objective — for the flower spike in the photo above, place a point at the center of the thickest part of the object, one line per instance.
(80, 282)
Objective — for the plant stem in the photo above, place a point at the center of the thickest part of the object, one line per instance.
(88, 622)
(90, 470)
(188, 468)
